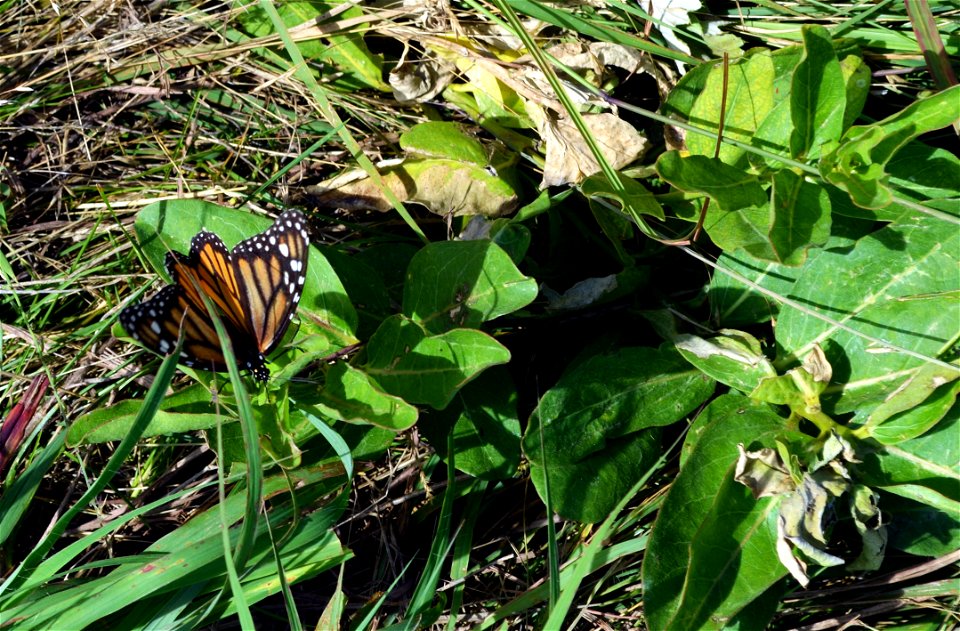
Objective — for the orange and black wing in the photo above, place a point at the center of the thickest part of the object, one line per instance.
(178, 309)
(158, 322)
(208, 270)
(270, 269)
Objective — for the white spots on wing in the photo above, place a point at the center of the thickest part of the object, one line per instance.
(273, 240)
(296, 265)
(284, 250)
(155, 327)
(164, 346)
(301, 279)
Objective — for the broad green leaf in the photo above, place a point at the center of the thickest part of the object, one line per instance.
(683, 96)
(800, 219)
(925, 469)
(487, 97)
(798, 389)
(773, 133)
(442, 139)
(732, 357)
(453, 284)
(636, 197)
(734, 303)
(409, 363)
(850, 167)
(916, 406)
(856, 74)
(781, 230)
(919, 529)
(350, 395)
(898, 284)
(366, 442)
(818, 95)
(927, 173)
(513, 238)
(443, 186)
(485, 426)
(749, 97)
(365, 287)
(113, 423)
(744, 229)
(712, 550)
(731, 188)
(446, 170)
(590, 433)
(186, 410)
(390, 262)
(756, 616)
(586, 490)
(918, 420)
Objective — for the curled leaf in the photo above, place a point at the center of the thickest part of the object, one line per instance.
(763, 472)
(420, 80)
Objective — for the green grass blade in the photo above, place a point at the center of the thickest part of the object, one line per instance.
(16, 499)
(460, 559)
(442, 542)
(928, 37)
(293, 618)
(248, 531)
(592, 551)
(330, 114)
(151, 404)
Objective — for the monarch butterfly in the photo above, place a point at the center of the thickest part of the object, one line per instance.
(256, 287)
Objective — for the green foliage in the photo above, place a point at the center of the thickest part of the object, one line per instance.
(594, 434)
(347, 51)
(881, 303)
(191, 555)
(713, 548)
(857, 163)
(811, 382)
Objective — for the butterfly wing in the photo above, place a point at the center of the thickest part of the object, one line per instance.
(158, 322)
(271, 269)
(178, 309)
(208, 269)
(153, 322)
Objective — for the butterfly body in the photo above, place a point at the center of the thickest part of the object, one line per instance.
(256, 288)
